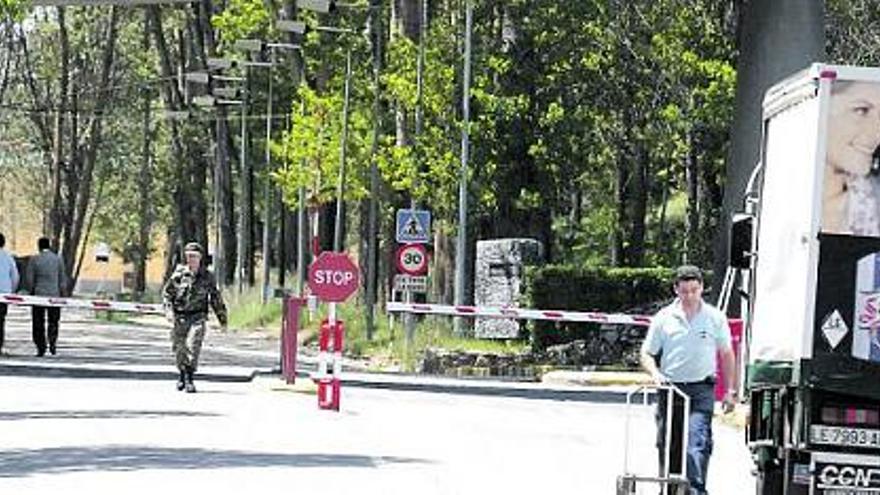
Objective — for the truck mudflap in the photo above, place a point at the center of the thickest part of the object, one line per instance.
(834, 473)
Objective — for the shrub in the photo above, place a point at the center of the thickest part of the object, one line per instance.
(574, 288)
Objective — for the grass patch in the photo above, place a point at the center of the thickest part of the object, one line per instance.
(113, 317)
(389, 348)
(247, 312)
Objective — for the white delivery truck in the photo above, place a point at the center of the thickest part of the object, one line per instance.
(809, 251)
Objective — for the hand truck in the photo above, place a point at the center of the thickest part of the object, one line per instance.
(669, 483)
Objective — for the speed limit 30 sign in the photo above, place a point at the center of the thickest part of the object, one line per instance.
(412, 259)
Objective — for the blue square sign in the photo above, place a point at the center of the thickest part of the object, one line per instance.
(413, 226)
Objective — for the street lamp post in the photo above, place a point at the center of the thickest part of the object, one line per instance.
(340, 203)
(246, 211)
(372, 214)
(267, 186)
(461, 241)
(222, 96)
(244, 228)
(254, 45)
(299, 27)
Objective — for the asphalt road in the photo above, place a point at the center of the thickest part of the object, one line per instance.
(64, 434)
(67, 435)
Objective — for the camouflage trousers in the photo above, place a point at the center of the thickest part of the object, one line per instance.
(186, 340)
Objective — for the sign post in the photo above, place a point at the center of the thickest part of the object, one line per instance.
(333, 277)
(413, 226)
(413, 230)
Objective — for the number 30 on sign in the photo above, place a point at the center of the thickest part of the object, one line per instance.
(412, 259)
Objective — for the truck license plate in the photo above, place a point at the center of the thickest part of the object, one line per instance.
(838, 435)
(845, 474)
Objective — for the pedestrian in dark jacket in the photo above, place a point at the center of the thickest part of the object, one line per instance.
(45, 276)
(190, 290)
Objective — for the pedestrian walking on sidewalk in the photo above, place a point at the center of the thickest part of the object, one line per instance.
(188, 293)
(8, 284)
(44, 276)
(684, 338)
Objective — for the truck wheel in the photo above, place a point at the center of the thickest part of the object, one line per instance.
(625, 486)
(769, 481)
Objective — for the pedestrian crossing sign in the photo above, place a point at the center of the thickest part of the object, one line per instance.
(413, 226)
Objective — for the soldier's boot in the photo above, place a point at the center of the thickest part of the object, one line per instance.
(190, 386)
(181, 380)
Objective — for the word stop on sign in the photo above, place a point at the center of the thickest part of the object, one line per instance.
(333, 277)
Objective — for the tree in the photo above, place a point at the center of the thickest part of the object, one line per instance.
(82, 63)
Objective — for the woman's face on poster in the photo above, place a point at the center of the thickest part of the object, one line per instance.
(854, 127)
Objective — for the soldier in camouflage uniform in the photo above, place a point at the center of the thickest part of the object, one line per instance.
(189, 291)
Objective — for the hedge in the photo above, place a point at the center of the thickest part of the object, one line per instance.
(606, 290)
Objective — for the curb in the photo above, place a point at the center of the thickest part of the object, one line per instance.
(472, 387)
(63, 370)
(597, 378)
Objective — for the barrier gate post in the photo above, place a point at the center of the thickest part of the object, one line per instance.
(330, 342)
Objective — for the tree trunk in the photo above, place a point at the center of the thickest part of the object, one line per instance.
(622, 178)
(691, 175)
(188, 194)
(88, 151)
(55, 216)
(776, 39)
(225, 252)
(373, 224)
(145, 217)
(638, 208)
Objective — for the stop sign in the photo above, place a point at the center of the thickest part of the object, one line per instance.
(333, 277)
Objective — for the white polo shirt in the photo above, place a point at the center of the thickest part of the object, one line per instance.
(688, 347)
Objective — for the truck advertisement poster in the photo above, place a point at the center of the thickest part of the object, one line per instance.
(851, 193)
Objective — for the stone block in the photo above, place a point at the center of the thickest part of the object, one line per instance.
(498, 281)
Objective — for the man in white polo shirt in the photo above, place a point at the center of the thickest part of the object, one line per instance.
(680, 348)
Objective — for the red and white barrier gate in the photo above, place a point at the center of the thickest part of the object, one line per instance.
(330, 342)
(735, 325)
(519, 313)
(93, 304)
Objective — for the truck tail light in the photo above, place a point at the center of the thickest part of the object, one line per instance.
(848, 415)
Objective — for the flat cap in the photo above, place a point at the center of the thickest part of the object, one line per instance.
(192, 247)
(688, 272)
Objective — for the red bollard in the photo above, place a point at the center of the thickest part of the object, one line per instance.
(330, 342)
(736, 336)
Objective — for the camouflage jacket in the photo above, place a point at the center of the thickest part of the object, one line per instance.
(191, 293)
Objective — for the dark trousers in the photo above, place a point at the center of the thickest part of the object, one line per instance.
(38, 319)
(699, 441)
(2, 324)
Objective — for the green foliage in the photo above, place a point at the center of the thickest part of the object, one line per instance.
(247, 312)
(310, 150)
(670, 60)
(241, 19)
(13, 10)
(851, 29)
(576, 288)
